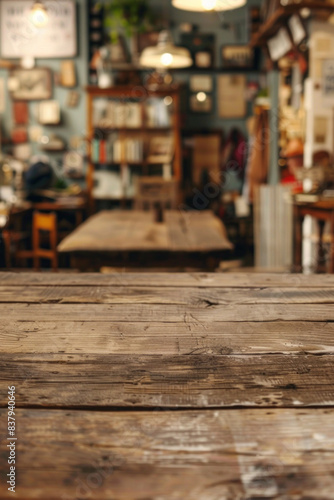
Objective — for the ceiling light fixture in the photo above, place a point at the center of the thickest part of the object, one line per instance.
(39, 14)
(165, 54)
(208, 5)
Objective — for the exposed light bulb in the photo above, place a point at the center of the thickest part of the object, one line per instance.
(168, 100)
(209, 4)
(201, 96)
(38, 15)
(167, 59)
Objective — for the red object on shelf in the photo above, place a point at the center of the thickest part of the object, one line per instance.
(19, 135)
(20, 113)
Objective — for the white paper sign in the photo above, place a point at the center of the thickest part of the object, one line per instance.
(20, 37)
(328, 78)
(2, 96)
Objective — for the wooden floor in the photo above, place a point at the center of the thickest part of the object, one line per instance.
(168, 386)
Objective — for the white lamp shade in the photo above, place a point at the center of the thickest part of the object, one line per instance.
(208, 5)
(165, 54)
(170, 57)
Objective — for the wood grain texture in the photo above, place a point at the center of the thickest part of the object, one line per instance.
(211, 455)
(83, 380)
(175, 280)
(163, 295)
(169, 313)
(136, 230)
(247, 338)
(168, 387)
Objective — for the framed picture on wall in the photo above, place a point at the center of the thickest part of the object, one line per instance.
(200, 83)
(201, 47)
(20, 38)
(231, 96)
(237, 56)
(297, 29)
(279, 45)
(49, 113)
(30, 84)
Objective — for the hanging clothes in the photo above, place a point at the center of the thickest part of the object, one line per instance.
(234, 160)
(258, 168)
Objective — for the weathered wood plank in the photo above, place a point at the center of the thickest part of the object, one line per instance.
(87, 380)
(164, 295)
(178, 338)
(212, 280)
(169, 313)
(212, 455)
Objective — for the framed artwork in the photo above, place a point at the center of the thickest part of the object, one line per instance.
(201, 83)
(279, 45)
(237, 56)
(49, 113)
(201, 103)
(30, 84)
(201, 47)
(19, 38)
(203, 59)
(231, 96)
(68, 76)
(297, 29)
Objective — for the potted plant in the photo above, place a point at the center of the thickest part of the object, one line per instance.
(126, 17)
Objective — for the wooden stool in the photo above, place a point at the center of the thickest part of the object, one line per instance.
(45, 222)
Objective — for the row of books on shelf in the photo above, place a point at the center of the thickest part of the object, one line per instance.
(116, 114)
(113, 150)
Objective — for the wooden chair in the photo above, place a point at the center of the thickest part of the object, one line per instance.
(47, 223)
(13, 239)
(156, 193)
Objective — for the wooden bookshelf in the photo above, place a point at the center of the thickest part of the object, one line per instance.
(125, 146)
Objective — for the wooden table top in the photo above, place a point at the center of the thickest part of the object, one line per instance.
(168, 386)
(321, 203)
(135, 230)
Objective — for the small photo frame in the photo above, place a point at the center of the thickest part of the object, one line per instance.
(279, 45)
(297, 29)
(30, 84)
(203, 59)
(237, 57)
(201, 47)
(201, 83)
(49, 113)
(201, 103)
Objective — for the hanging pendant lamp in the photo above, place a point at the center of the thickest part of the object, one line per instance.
(208, 5)
(165, 54)
(38, 15)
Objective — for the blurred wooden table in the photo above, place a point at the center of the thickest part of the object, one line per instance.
(120, 237)
(168, 386)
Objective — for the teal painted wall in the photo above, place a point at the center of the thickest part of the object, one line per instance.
(74, 120)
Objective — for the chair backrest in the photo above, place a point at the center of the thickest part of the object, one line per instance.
(155, 192)
(46, 222)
